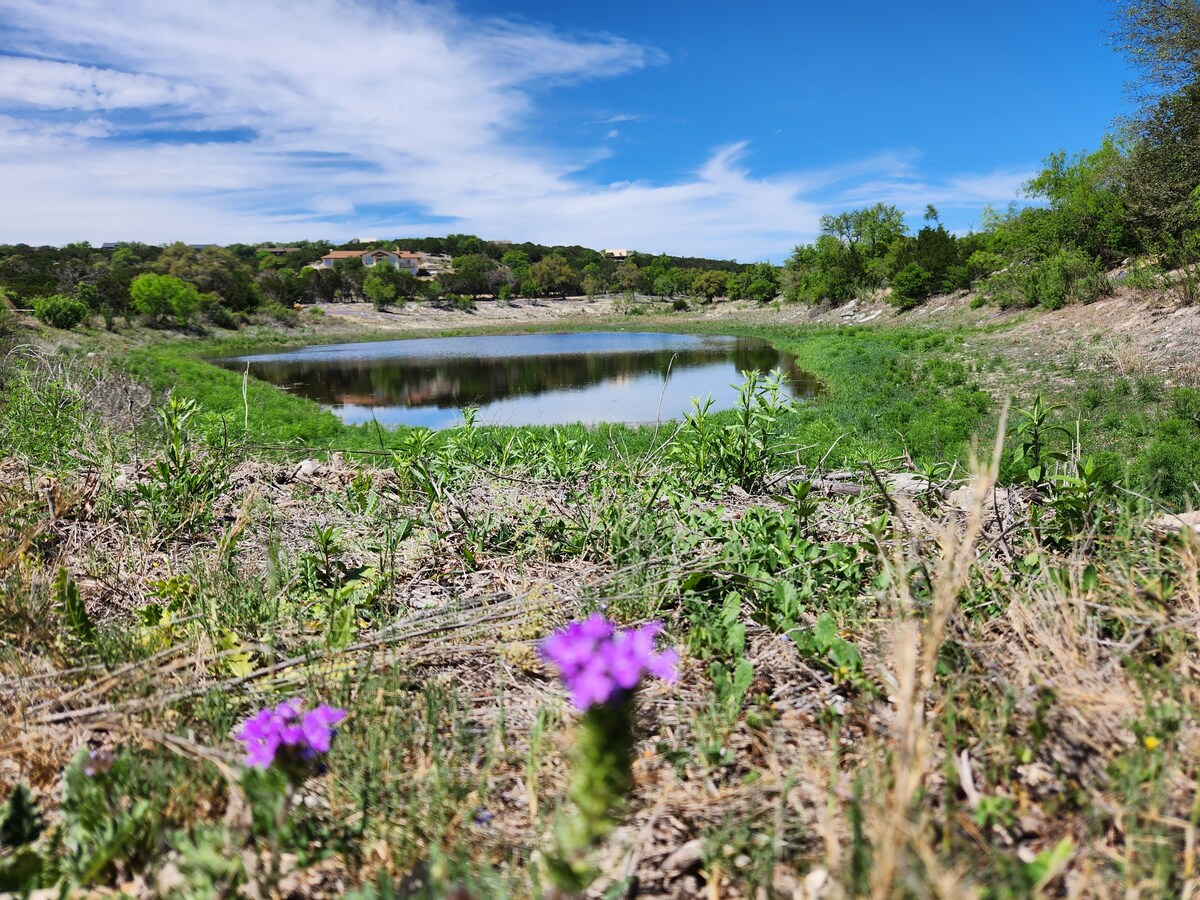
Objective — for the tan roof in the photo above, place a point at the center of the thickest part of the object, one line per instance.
(407, 254)
(344, 254)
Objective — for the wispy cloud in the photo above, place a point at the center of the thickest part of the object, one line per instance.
(242, 121)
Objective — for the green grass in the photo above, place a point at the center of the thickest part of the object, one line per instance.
(888, 393)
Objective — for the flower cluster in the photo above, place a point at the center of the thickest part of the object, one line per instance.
(286, 730)
(599, 662)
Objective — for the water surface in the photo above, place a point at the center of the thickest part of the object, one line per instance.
(530, 379)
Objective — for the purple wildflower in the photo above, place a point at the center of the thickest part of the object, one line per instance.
(99, 762)
(598, 662)
(289, 731)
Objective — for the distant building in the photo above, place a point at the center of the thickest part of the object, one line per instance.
(617, 254)
(364, 240)
(398, 259)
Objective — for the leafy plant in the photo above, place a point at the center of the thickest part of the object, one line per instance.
(59, 311)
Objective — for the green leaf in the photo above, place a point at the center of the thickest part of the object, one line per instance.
(20, 821)
(1047, 864)
(742, 677)
(67, 594)
(239, 664)
(825, 631)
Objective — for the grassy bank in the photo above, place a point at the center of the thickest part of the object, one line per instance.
(915, 393)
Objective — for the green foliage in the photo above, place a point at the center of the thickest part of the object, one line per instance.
(20, 820)
(910, 286)
(181, 484)
(162, 297)
(553, 275)
(709, 285)
(42, 419)
(58, 311)
(1086, 202)
(208, 270)
(89, 295)
(1063, 277)
(742, 451)
(1033, 457)
(74, 612)
(860, 250)
(381, 293)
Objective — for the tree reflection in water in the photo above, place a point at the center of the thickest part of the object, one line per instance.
(449, 373)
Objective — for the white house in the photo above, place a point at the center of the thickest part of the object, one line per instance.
(398, 259)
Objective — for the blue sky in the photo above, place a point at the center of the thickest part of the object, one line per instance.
(697, 128)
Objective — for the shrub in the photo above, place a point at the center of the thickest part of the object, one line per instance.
(88, 294)
(910, 286)
(1063, 277)
(59, 311)
(1144, 276)
(957, 277)
(159, 296)
(680, 305)
(218, 315)
(277, 312)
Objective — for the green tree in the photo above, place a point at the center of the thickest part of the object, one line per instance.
(868, 232)
(472, 274)
(911, 285)
(212, 270)
(1086, 193)
(158, 297)
(628, 277)
(518, 265)
(553, 275)
(89, 294)
(379, 290)
(1161, 39)
(709, 284)
(593, 280)
(763, 283)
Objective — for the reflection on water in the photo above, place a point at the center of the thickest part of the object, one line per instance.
(535, 379)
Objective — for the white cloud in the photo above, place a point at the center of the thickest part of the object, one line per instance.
(57, 85)
(350, 111)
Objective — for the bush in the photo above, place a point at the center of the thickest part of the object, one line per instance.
(1067, 276)
(277, 312)
(59, 311)
(957, 277)
(680, 305)
(910, 286)
(220, 316)
(159, 296)
(88, 294)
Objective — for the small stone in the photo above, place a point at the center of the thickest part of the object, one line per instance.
(687, 857)
(814, 883)
(306, 469)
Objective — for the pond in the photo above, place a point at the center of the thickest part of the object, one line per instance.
(529, 379)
